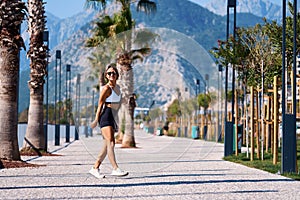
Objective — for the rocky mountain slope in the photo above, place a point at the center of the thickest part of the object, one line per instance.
(178, 60)
(261, 8)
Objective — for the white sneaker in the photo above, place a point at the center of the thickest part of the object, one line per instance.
(96, 173)
(119, 172)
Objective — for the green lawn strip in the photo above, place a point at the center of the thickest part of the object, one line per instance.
(267, 163)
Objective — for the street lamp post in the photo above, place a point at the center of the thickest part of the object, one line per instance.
(228, 139)
(59, 98)
(289, 151)
(68, 102)
(197, 86)
(207, 82)
(219, 132)
(46, 40)
(86, 112)
(57, 127)
(77, 106)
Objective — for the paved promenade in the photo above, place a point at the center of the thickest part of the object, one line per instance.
(160, 168)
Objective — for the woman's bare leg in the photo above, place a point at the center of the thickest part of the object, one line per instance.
(102, 155)
(108, 135)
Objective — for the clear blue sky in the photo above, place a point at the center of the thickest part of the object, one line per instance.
(64, 8)
(67, 8)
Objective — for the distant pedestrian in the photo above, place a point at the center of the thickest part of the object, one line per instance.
(141, 125)
(108, 106)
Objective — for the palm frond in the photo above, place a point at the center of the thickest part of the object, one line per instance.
(138, 57)
(103, 30)
(143, 51)
(146, 6)
(145, 36)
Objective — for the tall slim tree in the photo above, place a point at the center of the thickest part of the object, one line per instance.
(35, 138)
(109, 27)
(11, 16)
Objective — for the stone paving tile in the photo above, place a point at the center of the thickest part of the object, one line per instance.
(160, 168)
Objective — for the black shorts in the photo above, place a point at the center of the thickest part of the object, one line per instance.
(108, 118)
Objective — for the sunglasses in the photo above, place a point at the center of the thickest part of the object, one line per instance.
(111, 73)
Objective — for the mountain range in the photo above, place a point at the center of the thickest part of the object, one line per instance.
(178, 66)
(261, 8)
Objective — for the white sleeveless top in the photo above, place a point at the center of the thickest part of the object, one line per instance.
(113, 97)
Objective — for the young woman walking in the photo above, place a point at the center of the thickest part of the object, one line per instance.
(108, 105)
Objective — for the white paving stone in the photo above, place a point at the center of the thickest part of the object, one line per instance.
(160, 168)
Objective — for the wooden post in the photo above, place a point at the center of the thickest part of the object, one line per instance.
(263, 127)
(202, 126)
(252, 122)
(246, 124)
(272, 124)
(257, 125)
(268, 123)
(275, 110)
(236, 122)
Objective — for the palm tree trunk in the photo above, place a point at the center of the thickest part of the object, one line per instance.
(11, 17)
(127, 89)
(35, 138)
(9, 63)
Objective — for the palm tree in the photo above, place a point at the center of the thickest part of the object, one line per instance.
(124, 62)
(120, 24)
(11, 16)
(98, 61)
(204, 101)
(35, 138)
